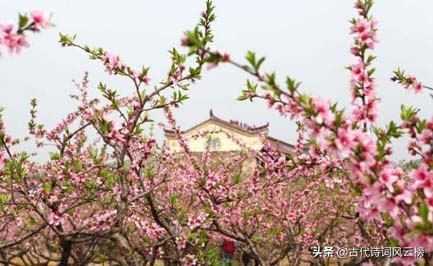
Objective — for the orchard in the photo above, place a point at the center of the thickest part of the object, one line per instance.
(110, 194)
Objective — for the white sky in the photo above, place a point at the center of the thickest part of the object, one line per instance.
(305, 39)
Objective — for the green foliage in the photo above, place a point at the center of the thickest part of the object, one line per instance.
(177, 58)
(384, 138)
(393, 130)
(173, 197)
(4, 198)
(421, 125)
(109, 177)
(67, 40)
(305, 101)
(407, 112)
(423, 212)
(15, 167)
(400, 76)
(145, 71)
(31, 221)
(387, 219)
(237, 179)
(210, 256)
(393, 242)
(23, 21)
(253, 61)
(32, 124)
(68, 186)
(47, 186)
(271, 85)
(195, 72)
(102, 257)
(292, 85)
(198, 38)
(178, 96)
(366, 6)
(370, 59)
(339, 116)
(250, 91)
(78, 166)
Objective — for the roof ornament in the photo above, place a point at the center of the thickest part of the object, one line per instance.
(211, 113)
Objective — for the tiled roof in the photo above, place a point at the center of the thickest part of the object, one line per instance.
(231, 124)
(242, 127)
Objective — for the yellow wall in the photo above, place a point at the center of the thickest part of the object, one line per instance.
(226, 144)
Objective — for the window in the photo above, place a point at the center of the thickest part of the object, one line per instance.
(214, 144)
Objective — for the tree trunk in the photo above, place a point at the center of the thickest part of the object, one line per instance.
(66, 246)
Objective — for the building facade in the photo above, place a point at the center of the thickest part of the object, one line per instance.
(218, 135)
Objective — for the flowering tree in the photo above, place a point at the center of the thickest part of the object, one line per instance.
(13, 37)
(282, 208)
(91, 196)
(396, 197)
(121, 197)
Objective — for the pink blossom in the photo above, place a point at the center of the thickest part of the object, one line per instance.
(389, 205)
(430, 124)
(354, 50)
(388, 177)
(405, 261)
(422, 240)
(212, 66)
(3, 158)
(421, 173)
(361, 26)
(369, 263)
(429, 202)
(323, 111)
(344, 141)
(405, 196)
(410, 82)
(53, 219)
(365, 31)
(7, 28)
(40, 19)
(146, 79)
(135, 75)
(112, 62)
(372, 110)
(103, 220)
(418, 87)
(13, 41)
(426, 136)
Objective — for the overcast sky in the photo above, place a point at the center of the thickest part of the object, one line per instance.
(305, 39)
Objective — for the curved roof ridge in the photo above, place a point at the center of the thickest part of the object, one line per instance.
(239, 125)
(235, 124)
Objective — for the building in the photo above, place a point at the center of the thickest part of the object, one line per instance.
(225, 139)
(224, 136)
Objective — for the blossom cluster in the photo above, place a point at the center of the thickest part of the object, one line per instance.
(395, 197)
(409, 82)
(125, 198)
(12, 36)
(363, 85)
